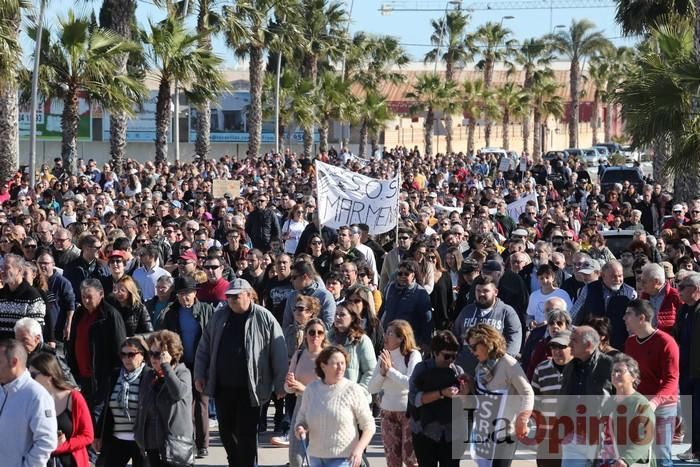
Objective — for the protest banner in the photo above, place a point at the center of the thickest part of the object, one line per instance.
(518, 207)
(220, 187)
(346, 197)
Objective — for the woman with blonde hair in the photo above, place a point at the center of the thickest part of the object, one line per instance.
(361, 300)
(497, 373)
(126, 298)
(396, 363)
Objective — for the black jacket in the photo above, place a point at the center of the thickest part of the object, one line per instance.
(78, 270)
(106, 335)
(589, 378)
(136, 318)
(45, 348)
(262, 227)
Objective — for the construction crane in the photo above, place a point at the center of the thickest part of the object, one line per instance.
(389, 6)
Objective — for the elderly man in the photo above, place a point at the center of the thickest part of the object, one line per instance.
(608, 296)
(28, 332)
(18, 299)
(28, 428)
(85, 266)
(658, 356)
(588, 374)
(60, 302)
(63, 250)
(241, 361)
(687, 332)
(664, 299)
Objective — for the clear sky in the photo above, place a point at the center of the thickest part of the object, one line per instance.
(413, 28)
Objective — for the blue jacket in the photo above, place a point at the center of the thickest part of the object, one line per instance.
(411, 304)
(317, 290)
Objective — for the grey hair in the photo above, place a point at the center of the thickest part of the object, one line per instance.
(590, 336)
(547, 246)
(693, 280)
(609, 265)
(92, 284)
(559, 315)
(654, 271)
(166, 279)
(631, 364)
(30, 325)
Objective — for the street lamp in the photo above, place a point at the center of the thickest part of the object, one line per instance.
(34, 98)
(457, 4)
(506, 17)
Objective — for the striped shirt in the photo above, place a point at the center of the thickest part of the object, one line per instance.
(123, 422)
(546, 381)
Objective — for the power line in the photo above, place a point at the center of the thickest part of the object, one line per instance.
(390, 6)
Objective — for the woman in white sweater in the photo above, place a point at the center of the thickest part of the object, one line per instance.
(396, 363)
(333, 412)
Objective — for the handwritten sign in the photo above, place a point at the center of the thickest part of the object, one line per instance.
(346, 197)
(220, 187)
(518, 207)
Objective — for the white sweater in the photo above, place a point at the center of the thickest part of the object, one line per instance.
(332, 415)
(395, 383)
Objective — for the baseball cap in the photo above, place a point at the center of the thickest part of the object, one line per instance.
(469, 265)
(492, 266)
(432, 195)
(207, 216)
(519, 233)
(118, 254)
(176, 204)
(189, 255)
(561, 338)
(238, 286)
(677, 207)
(590, 266)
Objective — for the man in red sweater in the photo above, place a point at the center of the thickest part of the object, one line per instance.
(658, 356)
(663, 298)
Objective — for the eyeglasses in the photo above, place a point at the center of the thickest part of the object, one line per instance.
(212, 267)
(619, 371)
(404, 273)
(155, 353)
(129, 355)
(431, 257)
(300, 308)
(404, 238)
(316, 332)
(449, 356)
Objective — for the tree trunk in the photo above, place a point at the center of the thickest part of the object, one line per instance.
(257, 63)
(323, 134)
(118, 16)
(163, 119)
(527, 85)
(308, 142)
(471, 129)
(661, 151)
(685, 187)
(607, 129)
(488, 79)
(536, 136)
(573, 108)
(311, 66)
(70, 121)
(487, 132)
(595, 116)
(364, 130)
(428, 128)
(202, 144)
(506, 129)
(9, 129)
(449, 77)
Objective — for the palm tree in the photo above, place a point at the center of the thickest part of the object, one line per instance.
(334, 101)
(532, 55)
(657, 97)
(85, 58)
(10, 61)
(288, 80)
(618, 59)
(244, 26)
(577, 43)
(373, 113)
(174, 54)
(119, 16)
(450, 30)
(638, 17)
(431, 95)
(495, 45)
(303, 109)
(514, 103)
(546, 102)
(472, 96)
(599, 74)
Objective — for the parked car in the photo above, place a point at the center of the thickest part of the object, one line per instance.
(611, 147)
(575, 152)
(619, 174)
(561, 155)
(617, 240)
(603, 151)
(630, 153)
(591, 156)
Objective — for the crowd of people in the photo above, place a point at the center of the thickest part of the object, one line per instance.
(137, 307)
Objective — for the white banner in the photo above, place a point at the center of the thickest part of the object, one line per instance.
(518, 207)
(346, 197)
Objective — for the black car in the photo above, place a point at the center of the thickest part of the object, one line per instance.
(553, 155)
(612, 175)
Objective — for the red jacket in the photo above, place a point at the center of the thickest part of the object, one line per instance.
(666, 317)
(83, 434)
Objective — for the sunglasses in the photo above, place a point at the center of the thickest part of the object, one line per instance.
(315, 332)
(155, 354)
(449, 356)
(211, 267)
(300, 308)
(129, 355)
(404, 238)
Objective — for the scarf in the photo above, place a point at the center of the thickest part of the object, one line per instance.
(484, 371)
(126, 379)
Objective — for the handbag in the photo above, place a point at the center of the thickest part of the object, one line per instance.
(178, 451)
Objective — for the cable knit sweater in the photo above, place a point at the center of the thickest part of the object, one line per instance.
(332, 415)
(395, 383)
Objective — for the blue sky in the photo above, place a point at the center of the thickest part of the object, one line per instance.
(413, 28)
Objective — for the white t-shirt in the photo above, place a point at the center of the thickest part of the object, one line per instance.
(535, 307)
(294, 229)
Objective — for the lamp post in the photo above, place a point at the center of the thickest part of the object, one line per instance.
(176, 99)
(342, 72)
(506, 17)
(34, 97)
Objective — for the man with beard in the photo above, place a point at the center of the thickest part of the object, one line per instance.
(488, 309)
(608, 296)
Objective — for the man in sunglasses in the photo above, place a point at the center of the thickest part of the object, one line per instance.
(394, 257)
(262, 225)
